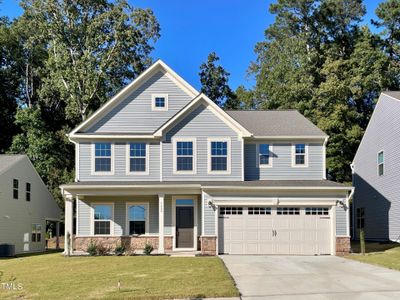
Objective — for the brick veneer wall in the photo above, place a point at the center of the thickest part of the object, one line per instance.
(208, 245)
(342, 246)
(131, 243)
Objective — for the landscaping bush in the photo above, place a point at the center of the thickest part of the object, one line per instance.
(92, 249)
(102, 250)
(119, 249)
(148, 248)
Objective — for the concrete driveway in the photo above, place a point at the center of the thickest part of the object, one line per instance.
(311, 277)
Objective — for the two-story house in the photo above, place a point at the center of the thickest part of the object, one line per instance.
(376, 175)
(26, 206)
(161, 163)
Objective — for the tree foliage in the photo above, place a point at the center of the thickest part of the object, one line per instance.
(214, 83)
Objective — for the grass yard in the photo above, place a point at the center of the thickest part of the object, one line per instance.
(52, 276)
(382, 254)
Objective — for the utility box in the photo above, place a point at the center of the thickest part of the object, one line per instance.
(7, 250)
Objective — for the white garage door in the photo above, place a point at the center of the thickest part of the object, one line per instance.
(275, 230)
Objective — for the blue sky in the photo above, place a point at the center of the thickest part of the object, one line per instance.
(191, 29)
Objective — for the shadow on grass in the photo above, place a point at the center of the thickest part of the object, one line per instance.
(49, 251)
(371, 247)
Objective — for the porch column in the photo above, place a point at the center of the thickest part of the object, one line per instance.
(68, 221)
(58, 235)
(160, 223)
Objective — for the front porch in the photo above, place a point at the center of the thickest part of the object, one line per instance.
(170, 223)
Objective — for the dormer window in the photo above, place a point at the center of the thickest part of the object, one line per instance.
(159, 102)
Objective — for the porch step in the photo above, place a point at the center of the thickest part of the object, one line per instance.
(182, 253)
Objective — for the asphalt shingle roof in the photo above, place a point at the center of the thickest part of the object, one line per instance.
(276, 123)
(393, 94)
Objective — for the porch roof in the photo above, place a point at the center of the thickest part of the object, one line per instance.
(250, 185)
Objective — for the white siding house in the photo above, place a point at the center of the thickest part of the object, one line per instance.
(25, 205)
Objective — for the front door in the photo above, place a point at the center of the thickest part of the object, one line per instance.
(184, 227)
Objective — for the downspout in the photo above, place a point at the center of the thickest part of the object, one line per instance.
(353, 215)
(76, 157)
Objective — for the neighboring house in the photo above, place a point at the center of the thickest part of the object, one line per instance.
(26, 205)
(160, 163)
(376, 174)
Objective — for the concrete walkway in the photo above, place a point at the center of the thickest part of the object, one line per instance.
(311, 277)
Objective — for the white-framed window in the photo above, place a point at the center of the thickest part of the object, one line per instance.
(15, 188)
(288, 211)
(137, 216)
(102, 158)
(219, 155)
(300, 155)
(159, 101)
(184, 155)
(264, 156)
(36, 236)
(227, 210)
(28, 191)
(103, 215)
(137, 158)
(381, 163)
(317, 211)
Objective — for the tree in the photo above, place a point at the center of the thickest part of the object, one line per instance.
(9, 85)
(388, 13)
(94, 48)
(214, 82)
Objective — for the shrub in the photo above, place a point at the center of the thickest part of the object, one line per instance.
(92, 248)
(119, 249)
(102, 250)
(148, 248)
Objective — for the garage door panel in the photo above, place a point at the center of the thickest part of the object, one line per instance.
(301, 233)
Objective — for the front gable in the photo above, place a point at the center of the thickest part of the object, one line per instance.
(135, 113)
(132, 109)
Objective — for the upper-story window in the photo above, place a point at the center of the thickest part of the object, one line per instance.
(159, 102)
(138, 158)
(219, 156)
(15, 188)
(381, 162)
(185, 156)
(103, 158)
(300, 155)
(264, 155)
(28, 191)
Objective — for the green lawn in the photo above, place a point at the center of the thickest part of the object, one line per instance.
(52, 276)
(382, 254)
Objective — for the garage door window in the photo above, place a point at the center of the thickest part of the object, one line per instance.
(288, 211)
(317, 211)
(231, 211)
(259, 210)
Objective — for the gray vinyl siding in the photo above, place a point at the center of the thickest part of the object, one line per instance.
(18, 215)
(341, 221)
(380, 195)
(120, 161)
(135, 114)
(202, 124)
(282, 162)
(83, 214)
(209, 217)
